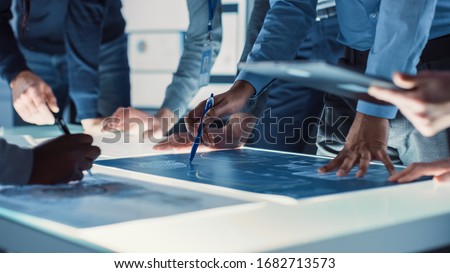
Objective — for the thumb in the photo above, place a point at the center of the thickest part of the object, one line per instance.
(445, 177)
(404, 81)
(51, 100)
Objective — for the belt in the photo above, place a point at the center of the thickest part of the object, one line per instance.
(436, 49)
(326, 13)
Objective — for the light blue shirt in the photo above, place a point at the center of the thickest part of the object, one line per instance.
(403, 28)
(185, 81)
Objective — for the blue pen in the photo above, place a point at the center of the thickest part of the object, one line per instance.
(198, 138)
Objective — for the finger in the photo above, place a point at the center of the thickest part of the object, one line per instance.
(51, 99)
(383, 157)
(404, 81)
(347, 165)
(435, 126)
(192, 119)
(334, 164)
(442, 178)
(398, 98)
(364, 162)
(164, 145)
(414, 174)
(119, 113)
(45, 115)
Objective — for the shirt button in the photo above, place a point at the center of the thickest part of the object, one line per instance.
(373, 15)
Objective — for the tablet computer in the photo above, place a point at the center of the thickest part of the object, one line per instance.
(322, 76)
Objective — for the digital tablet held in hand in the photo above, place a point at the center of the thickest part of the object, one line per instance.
(322, 76)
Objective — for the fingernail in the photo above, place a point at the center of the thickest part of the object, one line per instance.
(321, 170)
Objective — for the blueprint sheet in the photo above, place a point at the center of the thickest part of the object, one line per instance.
(103, 200)
(255, 171)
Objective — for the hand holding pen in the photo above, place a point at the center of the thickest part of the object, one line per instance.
(198, 138)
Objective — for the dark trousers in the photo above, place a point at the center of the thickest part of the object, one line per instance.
(290, 116)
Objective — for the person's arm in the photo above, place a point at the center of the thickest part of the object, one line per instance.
(83, 33)
(185, 81)
(16, 164)
(426, 104)
(401, 34)
(32, 97)
(11, 60)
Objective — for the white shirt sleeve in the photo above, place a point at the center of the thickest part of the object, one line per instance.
(16, 164)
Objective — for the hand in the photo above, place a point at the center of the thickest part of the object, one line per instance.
(33, 99)
(233, 135)
(225, 104)
(426, 105)
(63, 159)
(366, 141)
(439, 169)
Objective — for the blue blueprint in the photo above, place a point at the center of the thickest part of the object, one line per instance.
(255, 171)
